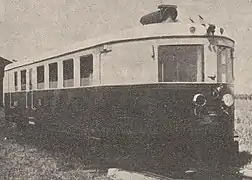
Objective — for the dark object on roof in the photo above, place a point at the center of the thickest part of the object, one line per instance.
(165, 12)
(4, 62)
(211, 29)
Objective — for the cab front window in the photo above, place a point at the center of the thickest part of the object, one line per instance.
(180, 63)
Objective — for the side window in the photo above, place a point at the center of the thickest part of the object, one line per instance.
(68, 73)
(15, 81)
(30, 79)
(86, 70)
(40, 77)
(53, 75)
(225, 65)
(23, 80)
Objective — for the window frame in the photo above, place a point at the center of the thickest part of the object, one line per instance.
(219, 63)
(23, 78)
(200, 62)
(30, 78)
(53, 74)
(39, 75)
(90, 59)
(66, 73)
(51, 78)
(16, 80)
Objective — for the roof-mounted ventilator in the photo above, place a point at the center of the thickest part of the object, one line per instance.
(167, 13)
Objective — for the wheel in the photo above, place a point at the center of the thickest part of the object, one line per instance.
(234, 151)
(231, 152)
(236, 147)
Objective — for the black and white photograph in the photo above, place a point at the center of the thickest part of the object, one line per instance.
(126, 90)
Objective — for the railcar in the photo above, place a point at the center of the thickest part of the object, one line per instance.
(165, 79)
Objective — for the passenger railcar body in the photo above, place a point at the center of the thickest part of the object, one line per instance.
(166, 80)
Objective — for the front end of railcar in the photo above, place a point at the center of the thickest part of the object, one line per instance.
(213, 122)
(196, 70)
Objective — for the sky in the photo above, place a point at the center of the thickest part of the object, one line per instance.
(30, 27)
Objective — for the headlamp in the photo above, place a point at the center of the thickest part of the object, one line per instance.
(199, 100)
(228, 100)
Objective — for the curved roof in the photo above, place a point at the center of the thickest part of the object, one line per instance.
(165, 30)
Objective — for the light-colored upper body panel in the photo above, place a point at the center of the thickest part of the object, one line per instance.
(159, 31)
(132, 56)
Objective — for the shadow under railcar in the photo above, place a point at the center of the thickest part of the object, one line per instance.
(129, 155)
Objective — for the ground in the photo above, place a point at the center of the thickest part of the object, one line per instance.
(243, 128)
(25, 161)
(243, 124)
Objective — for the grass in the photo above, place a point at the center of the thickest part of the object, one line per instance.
(243, 124)
(27, 162)
(24, 162)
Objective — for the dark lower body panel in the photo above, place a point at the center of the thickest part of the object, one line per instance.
(140, 112)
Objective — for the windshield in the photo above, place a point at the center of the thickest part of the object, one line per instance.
(180, 63)
(225, 64)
